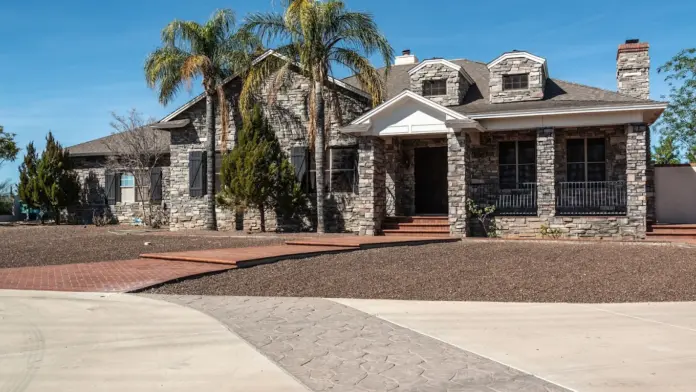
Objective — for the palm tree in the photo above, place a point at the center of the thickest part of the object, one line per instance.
(314, 36)
(213, 52)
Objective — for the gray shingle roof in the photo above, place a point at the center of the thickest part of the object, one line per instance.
(558, 93)
(98, 147)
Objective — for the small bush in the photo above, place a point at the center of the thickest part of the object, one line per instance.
(552, 232)
(483, 213)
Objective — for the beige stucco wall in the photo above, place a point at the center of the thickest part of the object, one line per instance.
(675, 190)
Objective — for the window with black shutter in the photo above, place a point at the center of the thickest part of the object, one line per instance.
(156, 184)
(112, 187)
(197, 166)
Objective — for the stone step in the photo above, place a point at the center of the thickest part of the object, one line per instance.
(673, 233)
(419, 225)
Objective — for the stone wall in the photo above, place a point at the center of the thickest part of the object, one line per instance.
(371, 204)
(457, 182)
(615, 142)
(514, 66)
(457, 85)
(633, 70)
(620, 167)
(91, 173)
(287, 112)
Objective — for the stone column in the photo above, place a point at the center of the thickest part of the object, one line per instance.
(636, 180)
(457, 182)
(391, 162)
(545, 174)
(371, 186)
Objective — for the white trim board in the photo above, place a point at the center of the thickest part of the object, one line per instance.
(527, 55)
(408, 94)
(444, 62)
(552, 112)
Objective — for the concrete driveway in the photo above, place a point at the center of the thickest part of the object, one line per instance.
(613, 347)
(53, 341)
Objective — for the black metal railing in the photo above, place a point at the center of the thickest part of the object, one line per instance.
(591, 198)
(508, 199)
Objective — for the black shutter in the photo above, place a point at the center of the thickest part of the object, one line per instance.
(156, 184)
(197, 166)
(299, 160)
(112, 186)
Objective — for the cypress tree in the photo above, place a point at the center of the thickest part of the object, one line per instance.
(256, 173)
(27, 178)
(49, 182)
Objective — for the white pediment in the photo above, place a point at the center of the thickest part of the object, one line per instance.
(407, 114)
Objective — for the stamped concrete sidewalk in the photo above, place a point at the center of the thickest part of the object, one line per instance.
(331, 347)
(83, 342)
(632, 347)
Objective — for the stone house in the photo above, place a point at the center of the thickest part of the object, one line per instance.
(505, 133)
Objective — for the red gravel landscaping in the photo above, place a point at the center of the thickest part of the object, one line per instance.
(513, 271)
(23, 246)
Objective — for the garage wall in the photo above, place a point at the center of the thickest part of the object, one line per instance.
(675, 193)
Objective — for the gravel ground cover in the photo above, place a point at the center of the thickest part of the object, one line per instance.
(22, 246)
(471, 271)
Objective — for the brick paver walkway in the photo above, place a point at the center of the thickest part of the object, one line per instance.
(331, 347)
(108, 276)
(155, 268)
(248, 256)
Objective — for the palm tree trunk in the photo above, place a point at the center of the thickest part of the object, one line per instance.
(262, 212)
(210, 160)
(319, 153)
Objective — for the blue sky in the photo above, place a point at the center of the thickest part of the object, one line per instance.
(66, 65)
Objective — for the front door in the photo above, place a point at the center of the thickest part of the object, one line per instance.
(430, 169)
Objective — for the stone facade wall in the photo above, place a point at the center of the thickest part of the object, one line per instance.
(457, 182)
(551, 154)
(545, 173)
(615, 142)
(636, 179)
(287, 112)
(457, 85)
(371, 204)
(514, 66)
(92, 176)
(633, 70)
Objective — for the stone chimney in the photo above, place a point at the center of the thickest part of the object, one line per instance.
(406, 58)
(633, 69)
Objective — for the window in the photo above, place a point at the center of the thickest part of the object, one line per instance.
(586, 160)
(516, 82)
(340, 175)
(517, 163)
(435, 87)
(127, 188)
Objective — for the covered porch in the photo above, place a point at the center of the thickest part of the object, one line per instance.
(421, 160)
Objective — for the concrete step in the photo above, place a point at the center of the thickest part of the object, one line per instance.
(417, 225)
(415, 232)
(423, 219)
(675, 233)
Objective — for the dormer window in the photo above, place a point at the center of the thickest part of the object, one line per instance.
(516, 82)
(434, 87)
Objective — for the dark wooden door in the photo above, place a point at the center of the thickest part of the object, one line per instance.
(430, 169)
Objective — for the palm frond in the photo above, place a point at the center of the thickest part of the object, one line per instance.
(163, 70)
(369, 78)
(187, 35)
(219, 25)
(197, 65)
(268, 27)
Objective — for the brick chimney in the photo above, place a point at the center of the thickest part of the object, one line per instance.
(633, 69)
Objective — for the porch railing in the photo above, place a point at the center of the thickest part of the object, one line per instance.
(591, 198)
(508, 199)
